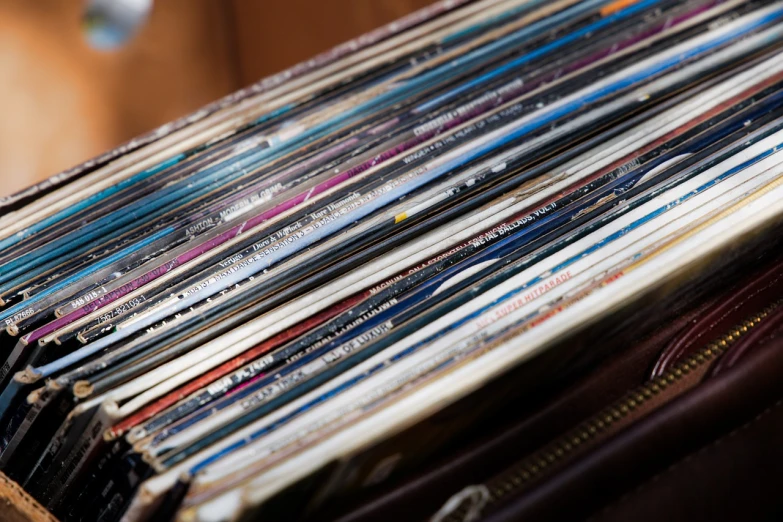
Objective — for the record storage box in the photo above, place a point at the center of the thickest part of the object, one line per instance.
(15, 504)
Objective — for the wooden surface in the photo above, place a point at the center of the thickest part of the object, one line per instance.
(17, 506)
(63, 102)
(273, 35)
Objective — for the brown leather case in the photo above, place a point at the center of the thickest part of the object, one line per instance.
(712, 454)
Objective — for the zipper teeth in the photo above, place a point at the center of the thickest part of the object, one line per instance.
(534, 466)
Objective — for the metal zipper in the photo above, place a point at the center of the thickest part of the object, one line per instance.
(467, 506)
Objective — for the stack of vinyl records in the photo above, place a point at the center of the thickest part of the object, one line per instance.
(310, 293)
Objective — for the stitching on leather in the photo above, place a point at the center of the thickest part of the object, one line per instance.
(682, 462)
(21, 495)
(703, 331)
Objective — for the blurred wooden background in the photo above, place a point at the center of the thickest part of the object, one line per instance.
(63, 102)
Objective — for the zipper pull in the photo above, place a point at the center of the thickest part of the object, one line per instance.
(477, 495)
